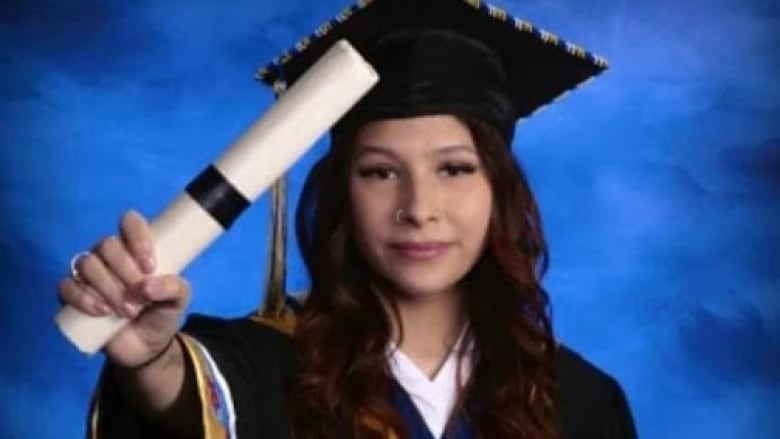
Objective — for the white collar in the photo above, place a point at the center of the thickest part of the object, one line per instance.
(434, 398)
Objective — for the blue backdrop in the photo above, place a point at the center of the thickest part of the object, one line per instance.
(659, 184)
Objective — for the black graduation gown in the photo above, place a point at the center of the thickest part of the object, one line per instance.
(255, 360)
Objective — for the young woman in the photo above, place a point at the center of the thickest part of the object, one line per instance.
(426, 317)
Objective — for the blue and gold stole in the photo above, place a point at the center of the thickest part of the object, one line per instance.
(458, 427)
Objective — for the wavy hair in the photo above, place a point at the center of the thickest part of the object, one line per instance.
(343, 330)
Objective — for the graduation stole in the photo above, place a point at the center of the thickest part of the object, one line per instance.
(458, 428)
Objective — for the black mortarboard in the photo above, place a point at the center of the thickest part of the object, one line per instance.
(445, 56)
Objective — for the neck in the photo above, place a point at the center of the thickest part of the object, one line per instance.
(431, 327)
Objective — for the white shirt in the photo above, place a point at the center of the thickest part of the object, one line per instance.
(434, 398)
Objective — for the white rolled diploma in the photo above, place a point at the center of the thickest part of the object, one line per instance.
(263, 153)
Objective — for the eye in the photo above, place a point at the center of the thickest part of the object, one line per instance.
(377, 172)
(457, 169)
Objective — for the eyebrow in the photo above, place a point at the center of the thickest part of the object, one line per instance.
(443, 150)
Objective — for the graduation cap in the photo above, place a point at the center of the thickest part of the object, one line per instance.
(445, 56)
(462, 57)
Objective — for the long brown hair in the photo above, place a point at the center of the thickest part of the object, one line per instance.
(343, 331)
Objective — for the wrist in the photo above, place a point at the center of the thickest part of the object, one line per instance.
(153, 385)
(155, 359)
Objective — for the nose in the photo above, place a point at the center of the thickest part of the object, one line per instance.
(420, 201)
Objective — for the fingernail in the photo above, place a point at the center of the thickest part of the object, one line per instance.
(152, 287)
(130, 310)
(147, 264)
(105, 309)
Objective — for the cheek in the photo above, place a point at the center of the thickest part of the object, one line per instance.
(474, 208)
(368, 212)
(479, 218)
(358, 210)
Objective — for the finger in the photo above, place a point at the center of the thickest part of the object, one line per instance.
(119, 262)
(95, 273)
(82, 297)
(137, 235)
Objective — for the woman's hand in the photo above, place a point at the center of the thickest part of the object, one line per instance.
(117, 277)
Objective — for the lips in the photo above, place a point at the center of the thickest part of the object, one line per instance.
(420, 250)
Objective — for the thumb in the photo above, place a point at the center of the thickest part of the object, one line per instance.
(169, 290)
(166, 297)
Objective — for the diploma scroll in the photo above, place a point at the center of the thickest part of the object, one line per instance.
(263, 153)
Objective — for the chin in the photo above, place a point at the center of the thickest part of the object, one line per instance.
(421, 280)
(419, 288)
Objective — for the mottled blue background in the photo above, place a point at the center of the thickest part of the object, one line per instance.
(659, 184)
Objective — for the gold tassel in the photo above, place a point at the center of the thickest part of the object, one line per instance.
(277, 271)
(275, 295)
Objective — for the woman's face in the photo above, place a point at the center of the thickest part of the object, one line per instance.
(427, 168)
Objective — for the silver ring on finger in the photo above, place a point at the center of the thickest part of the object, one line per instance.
(74, 269)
